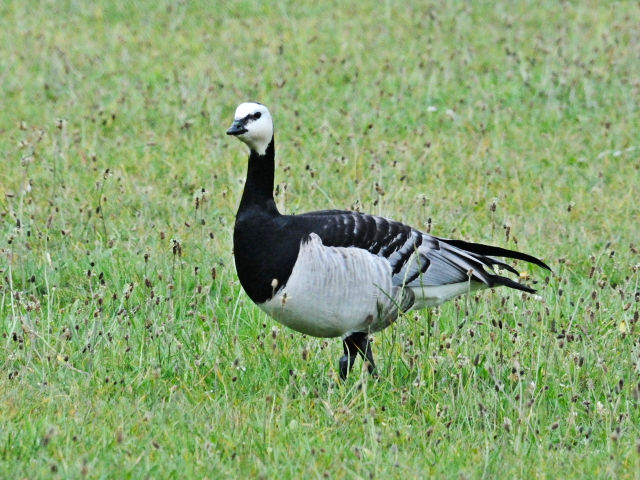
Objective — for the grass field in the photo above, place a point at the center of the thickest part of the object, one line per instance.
(129, 350)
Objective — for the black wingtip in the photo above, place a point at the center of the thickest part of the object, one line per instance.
(490, 250)
(507, 282)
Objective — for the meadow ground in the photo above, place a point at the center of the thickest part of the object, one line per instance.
(128, 349)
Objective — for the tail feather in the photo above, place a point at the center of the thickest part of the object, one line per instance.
(475, 257)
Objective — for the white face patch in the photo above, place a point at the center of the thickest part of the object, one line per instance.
(256, 119)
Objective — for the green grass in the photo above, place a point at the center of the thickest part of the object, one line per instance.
(128, 349)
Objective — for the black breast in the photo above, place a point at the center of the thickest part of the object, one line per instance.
(265, 249)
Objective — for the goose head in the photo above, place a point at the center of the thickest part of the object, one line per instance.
(252, 124)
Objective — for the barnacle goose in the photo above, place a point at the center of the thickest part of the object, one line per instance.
(337, 273)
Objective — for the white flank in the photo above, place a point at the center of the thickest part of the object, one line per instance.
(333, 291)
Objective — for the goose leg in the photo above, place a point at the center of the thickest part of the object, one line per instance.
(354, 344)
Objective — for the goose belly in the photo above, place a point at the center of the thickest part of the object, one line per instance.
(333, 291)
(434, 295)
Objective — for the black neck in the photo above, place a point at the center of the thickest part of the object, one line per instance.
(258, 190)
